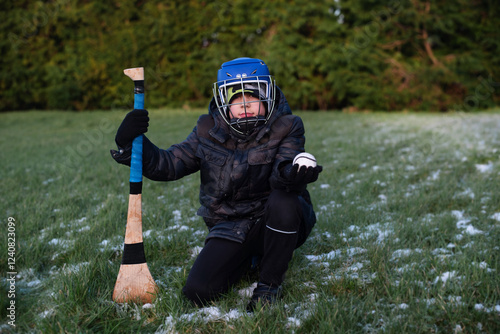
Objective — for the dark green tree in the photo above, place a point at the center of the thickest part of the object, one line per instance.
(356, 54)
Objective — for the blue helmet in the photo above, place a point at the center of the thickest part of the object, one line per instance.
(244, 77)
(241, 68)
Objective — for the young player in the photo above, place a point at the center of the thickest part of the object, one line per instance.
(253, 200)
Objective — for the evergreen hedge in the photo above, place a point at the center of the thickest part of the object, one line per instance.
(339, 54)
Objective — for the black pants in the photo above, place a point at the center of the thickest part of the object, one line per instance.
(221, 263)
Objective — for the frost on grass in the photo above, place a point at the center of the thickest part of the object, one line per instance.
(453, 144)
(351, 268)
(492, 309)
(68, 269)
(402, 253)
(464, 224)
(196, 251)
(247, 292)
(297, 313)
(62, 243)
(28, 278)
(484, 168)
(467, 193)
(328, 208)
(496, 216)
(207, 314)
(132, 310)
(483, 265)
(300, 312)
(378, 231)
(114, 245)
(447, 276)
(336, 254)
(203, 315)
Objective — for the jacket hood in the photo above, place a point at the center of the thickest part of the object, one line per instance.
(222, 132)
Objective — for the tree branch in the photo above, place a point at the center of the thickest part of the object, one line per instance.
(425, 37)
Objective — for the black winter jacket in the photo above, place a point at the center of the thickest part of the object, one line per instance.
(237, 174)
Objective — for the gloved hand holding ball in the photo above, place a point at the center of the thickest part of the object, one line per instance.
(302, 170)
(305, 159)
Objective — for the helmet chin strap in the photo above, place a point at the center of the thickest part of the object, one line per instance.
(245, 125)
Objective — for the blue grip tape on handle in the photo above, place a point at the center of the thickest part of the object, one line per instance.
(136, 162)
(139, 101)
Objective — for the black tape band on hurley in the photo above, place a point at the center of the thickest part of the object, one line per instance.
(133, 254)
(139, 87)
(135, 188)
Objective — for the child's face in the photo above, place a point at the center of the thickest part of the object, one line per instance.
(250, 107)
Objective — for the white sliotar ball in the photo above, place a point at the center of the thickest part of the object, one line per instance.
(305, 159)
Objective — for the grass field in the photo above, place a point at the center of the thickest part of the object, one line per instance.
(407, 239)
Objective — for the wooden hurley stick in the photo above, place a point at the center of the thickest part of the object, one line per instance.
(134, 282)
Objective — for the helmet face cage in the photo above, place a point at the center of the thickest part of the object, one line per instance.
(236, 83)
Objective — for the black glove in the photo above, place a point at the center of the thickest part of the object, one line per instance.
(300, 177)
(134, 124)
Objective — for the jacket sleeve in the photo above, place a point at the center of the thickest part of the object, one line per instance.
(164, 165)
(291, 145)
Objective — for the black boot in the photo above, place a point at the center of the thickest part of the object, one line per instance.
(264, 295)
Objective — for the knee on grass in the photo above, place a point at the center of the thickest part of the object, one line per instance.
(200, 293)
